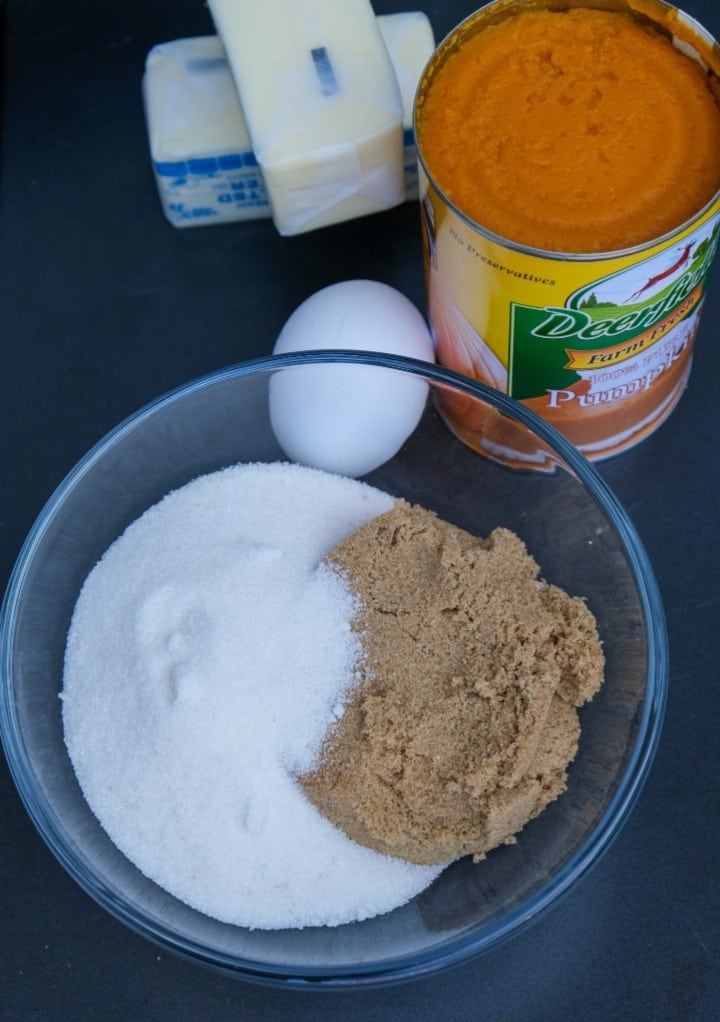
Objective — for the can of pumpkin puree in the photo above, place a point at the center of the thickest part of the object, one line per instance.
(572, 278)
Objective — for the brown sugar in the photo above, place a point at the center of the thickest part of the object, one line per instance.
(464, 721)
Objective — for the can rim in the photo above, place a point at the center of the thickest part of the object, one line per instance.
(693, 26)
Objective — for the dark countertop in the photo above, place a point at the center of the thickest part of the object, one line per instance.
(105, 306)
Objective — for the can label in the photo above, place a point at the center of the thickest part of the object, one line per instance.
(599, 346)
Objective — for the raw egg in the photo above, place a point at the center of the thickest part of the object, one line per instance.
(343, 418)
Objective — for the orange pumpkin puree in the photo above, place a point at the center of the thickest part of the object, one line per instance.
(572, 131)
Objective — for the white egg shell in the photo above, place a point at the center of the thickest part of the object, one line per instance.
(349, 419)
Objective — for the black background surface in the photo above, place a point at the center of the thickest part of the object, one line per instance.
(104, 306)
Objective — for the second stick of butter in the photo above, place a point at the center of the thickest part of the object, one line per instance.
(322, 105)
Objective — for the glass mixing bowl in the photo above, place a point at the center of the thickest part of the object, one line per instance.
(571, 523)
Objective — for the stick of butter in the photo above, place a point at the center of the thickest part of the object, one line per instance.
(205, 169)
(322, 105)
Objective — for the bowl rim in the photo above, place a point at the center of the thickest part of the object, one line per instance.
(455, 949)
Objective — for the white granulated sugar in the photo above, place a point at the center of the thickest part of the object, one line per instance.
(209, 653)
